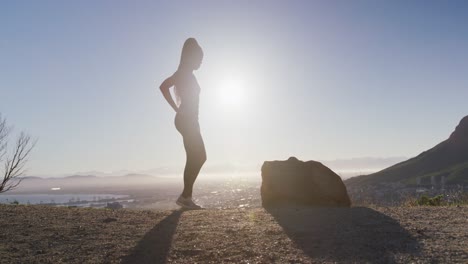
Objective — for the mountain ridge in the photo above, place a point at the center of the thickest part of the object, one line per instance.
(447, 160)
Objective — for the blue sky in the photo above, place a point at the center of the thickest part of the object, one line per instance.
(318, 80)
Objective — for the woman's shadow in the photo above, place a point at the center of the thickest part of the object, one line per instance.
(357, 234)
(154, 247)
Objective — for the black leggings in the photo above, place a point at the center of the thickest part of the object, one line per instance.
(194, 146)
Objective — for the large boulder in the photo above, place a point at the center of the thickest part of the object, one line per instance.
(294, 182)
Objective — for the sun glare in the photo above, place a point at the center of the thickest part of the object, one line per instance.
(231, 86)
(231, 93)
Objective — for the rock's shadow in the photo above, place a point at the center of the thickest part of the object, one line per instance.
(356, 234)
(155, 245)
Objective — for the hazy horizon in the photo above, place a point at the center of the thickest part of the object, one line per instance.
(346, 168)
(321, 80)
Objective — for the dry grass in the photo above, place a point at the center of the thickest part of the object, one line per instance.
(40, 234)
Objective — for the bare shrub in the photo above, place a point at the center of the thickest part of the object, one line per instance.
(13, 166)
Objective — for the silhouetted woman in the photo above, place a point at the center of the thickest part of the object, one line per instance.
(187, 93)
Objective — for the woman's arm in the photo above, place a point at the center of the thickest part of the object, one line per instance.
(165, 86)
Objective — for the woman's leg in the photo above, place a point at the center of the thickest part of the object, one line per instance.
(196, 157)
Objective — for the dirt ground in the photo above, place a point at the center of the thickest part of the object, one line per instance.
(41, 234)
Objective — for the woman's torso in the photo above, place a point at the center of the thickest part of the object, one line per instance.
(188, 90)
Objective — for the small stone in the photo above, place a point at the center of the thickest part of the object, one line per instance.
(109, 219)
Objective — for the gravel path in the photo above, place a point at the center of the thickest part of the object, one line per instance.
(40, 234)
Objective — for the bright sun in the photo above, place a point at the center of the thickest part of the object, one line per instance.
(231, 93)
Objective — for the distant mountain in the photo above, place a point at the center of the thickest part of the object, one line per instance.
(132, 176)
(31, 178)
(135, 176)
(448, 159)
(88, 183)
(363, 163)
(79, 177)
